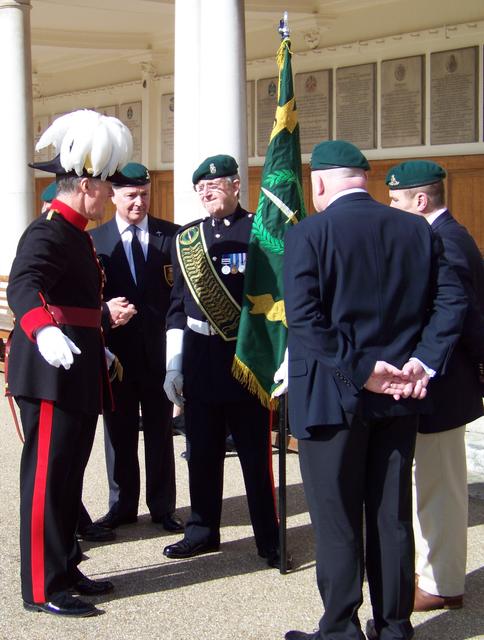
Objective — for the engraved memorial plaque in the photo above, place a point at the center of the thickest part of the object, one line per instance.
(251, 118)
(40, 125)
(130, 115)
(402, 102)
(167, 127)
(110, 110)
(453, 99)
(355, 105)
(313, 100)
(266, 108)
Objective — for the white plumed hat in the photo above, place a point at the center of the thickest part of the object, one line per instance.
(87, 143)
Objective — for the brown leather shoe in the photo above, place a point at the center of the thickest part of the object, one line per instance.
(428, 602)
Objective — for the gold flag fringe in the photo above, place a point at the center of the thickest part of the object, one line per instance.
(245, 376)
(285, 44)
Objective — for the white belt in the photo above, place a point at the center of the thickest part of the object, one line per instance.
(199, 326)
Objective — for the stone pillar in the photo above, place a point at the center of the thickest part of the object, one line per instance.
(210, 93)
(187, 108)
(15, 126)
(223, 82)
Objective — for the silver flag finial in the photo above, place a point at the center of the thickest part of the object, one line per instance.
(284, 27)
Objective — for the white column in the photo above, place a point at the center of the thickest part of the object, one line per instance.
(187, 109)
(223, 99)
(210, 93)
(15, 127)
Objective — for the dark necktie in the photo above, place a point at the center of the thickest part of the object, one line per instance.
(138, 256)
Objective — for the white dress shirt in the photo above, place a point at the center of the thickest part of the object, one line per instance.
(126, 236)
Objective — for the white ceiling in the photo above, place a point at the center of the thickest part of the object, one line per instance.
(90, 43)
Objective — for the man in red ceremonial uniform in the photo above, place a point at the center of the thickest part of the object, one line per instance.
(57, 365)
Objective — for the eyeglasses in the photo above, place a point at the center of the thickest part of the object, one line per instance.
(213, 185)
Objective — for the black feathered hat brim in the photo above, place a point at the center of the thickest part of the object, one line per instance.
(54, 166)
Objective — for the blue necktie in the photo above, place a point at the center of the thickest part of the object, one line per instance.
(138, 256)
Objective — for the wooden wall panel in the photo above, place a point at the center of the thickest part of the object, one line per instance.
(40, 185)
(465, 190)
(162, 199)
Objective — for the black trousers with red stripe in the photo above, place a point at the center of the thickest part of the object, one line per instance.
(54, 457)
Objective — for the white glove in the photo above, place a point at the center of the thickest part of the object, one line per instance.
(281, 376)
(56, 347)
(110, 357)
(174, 349)
(173, 387)
(173, 384)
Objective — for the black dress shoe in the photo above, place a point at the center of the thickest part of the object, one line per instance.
(64, 604)
(95, 533)
(185, 549)
(169, 522)
(371, 632)
(301, 635)
(112, 519)
(87, 587)
(273, 559)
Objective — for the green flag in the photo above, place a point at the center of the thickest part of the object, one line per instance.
(262, 335)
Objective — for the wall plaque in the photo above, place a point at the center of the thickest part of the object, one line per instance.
(313, 100)
(356, 105)
(402, 102)
(266, 109)
(453, 96)
(167, 127)
(130, 115)
(40, 125)
(111, 110)
(250, 118)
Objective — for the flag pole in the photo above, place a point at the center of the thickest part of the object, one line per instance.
(282, 482)
(284, 33)
(262, 333)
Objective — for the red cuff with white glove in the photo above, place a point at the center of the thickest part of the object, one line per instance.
(36, 319)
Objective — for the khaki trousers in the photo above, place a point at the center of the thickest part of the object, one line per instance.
(440, 508)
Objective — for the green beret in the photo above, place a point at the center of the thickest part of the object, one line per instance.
(133, 174)
(337, 153)
(414, 173)
(49, 193)
(215, 167)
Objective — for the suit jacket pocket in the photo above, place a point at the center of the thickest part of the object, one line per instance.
(298, 368)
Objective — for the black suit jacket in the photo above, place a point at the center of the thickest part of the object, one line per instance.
(457, 396)
(140, 344)
(363, 282)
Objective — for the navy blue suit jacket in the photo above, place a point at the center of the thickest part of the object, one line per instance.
(457, 396)
(140, 344)
(207, 361)
(363, 282)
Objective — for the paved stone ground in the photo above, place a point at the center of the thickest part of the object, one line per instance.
(229, 595)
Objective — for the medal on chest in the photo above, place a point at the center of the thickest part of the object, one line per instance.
(233, 263)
